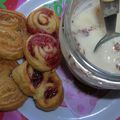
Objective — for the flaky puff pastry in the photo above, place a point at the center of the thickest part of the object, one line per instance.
(43, 20)
(13, 32)
(49, 95)
(11, 97)
(45, 88)
(42, 52)
(22, 75)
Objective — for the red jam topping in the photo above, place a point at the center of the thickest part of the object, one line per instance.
(52, 54)
(36, 79)
(50, 92)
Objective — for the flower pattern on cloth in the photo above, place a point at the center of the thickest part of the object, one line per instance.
(79, 98)
(14, 115)
(10, 4)
(118, 118)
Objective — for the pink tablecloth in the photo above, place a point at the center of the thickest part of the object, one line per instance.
(14, 115)
(10, 4)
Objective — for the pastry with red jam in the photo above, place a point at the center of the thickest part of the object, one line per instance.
(43, 20)
(45, 88)
(49, 95)
(22, 75)
(42, 51)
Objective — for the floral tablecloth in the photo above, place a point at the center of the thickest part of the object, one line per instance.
(10, 4)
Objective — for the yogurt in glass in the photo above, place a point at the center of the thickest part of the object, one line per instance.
(88, 28)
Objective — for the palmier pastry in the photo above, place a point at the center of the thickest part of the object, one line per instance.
(11, 96)
(13, 32)
(43, 20)
(46, 88)
(42, 51)
(24, 76)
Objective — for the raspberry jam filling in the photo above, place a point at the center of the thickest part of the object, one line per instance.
(49, 45)
(36, 78)
(50, 92)
(47, 12)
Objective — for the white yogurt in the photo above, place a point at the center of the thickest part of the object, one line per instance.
(88, 28)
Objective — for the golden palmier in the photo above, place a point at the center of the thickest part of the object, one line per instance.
(13, 32)
(23, 75)
(11, 96)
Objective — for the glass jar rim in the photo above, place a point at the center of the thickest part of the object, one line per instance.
(66, 23)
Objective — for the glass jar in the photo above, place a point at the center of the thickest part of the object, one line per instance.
(96, 73)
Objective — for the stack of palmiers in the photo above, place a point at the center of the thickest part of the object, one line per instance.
(36, 39)
(13, 32)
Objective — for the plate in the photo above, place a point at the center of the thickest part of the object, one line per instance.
(81, 102)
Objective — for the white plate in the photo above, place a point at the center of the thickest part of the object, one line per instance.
(79, 105)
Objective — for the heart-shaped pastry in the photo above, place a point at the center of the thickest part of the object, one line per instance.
(46, 88)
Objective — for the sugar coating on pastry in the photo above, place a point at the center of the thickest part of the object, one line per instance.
(43, 20)
(11, 97)
(42, 52)
(13, 32)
